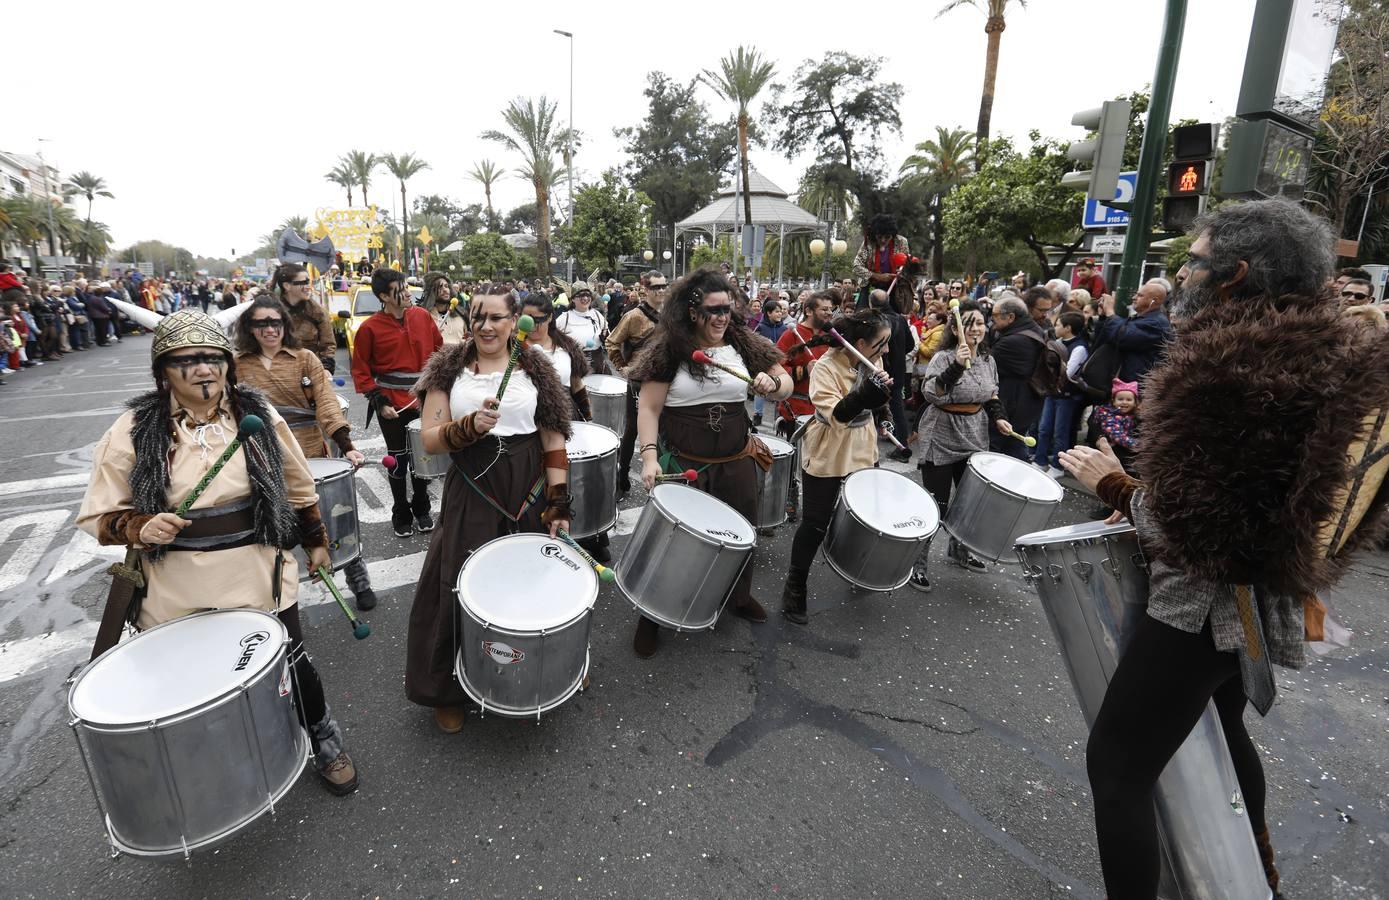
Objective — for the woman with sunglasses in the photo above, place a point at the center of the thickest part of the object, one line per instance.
(308, 319)
(270, 358)
(692, 416)
(839, 440)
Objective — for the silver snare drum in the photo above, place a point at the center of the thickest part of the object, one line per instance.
(592, 478)
(880, 524)
(527, 602)
(425, 464)
(607, 397)
(998, 499)
(684, 557)
(336, 484)
(774, 484)
(1093, 584)
(188, 731)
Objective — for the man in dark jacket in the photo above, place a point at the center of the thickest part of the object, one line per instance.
(1140, 339)
(900, 346)
(1015, 345)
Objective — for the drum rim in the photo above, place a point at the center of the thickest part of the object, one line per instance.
(602, 375)
(940, 520)
(699, 535)
(584, 567)
(772, 441)
(516, 712)
(522, 632)
(1121, 529)
(226, 696)
(1060, 491)
(339, 464)
(585, 455)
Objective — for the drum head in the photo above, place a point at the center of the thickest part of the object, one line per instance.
(704, 514)
(526, 582)
(342, 402)
(412, 425)
(1085, 531)
(891, 503)
(324, 469)
(1016, 476)
(177, 667)
(777, 445)
(591, 441)
(605, 384)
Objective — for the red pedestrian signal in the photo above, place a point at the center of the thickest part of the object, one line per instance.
(1187, 179)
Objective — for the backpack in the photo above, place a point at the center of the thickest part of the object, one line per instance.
(1048, 378)
(1096, 376)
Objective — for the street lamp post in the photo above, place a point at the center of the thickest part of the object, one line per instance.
(48, 202)
(570, 151)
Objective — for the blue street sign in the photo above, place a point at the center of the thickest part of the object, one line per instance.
(1098, 215)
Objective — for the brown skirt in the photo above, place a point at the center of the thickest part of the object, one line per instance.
(714, 430)
(466, 522)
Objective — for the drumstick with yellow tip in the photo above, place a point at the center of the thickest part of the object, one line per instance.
(605, 574)
(959, 325)
(1026, 439)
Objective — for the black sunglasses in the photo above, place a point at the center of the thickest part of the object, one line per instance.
(267, 324)
(540, 318)
(1356, 295)
(302, 283)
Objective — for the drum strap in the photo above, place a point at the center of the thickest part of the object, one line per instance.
(398, 381)
(297, 416)
(534, 494)
(218, 527)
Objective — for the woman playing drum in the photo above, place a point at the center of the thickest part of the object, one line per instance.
(961, 386)
(838, 441)
(692, 415)
(510, 474)
(270, 358)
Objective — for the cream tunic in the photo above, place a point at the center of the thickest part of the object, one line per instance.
(830, 448)
(187, 581)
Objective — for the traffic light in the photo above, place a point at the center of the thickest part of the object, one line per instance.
(1188, 176)
(1104, 152)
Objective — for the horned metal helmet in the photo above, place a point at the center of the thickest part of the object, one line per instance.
(188, 328)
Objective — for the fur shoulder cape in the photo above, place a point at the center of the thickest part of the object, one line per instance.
(1247, 426)
(553, 406)
(654, 361)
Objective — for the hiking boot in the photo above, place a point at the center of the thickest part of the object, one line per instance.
(647, 639)
(960, 556)
(751, 610)
(793, 598)
(339, 776)
(365, 600)
(901, 455)
(449, 719)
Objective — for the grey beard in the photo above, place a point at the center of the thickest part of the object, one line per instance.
(1189, 299)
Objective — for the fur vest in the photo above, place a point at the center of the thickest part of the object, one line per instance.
(275, 523)
(1247, 426)
(553, 406)
(655, 362)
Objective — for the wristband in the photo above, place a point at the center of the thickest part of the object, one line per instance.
(555, 459)
(559, 503)
(311, 530)
(461, 433)
(342, 439)
(994, 409)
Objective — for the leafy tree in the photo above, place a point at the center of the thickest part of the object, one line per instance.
(839, 104)
(677, 154)
(92, 241)
(706, 254)
(486, 173)
(609, 221)
(533, 133)
(460, 220)
(1177, 249)
(26, 217)
(488, 254)
(741, 77)
(993, 27)
(939, 166)
(341, 175)
(404, 167)
(524, 218)
(165, 257)
(1017, 196)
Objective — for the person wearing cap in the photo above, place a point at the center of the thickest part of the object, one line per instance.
(622, 345)
(1085, 276)
(585, 325)
(231, 551)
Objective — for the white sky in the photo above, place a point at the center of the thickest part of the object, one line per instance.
(195, 118)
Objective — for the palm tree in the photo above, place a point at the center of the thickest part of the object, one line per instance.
(942, 163)
(92, 241)
(404, 167)
(533, 133)
(993, 27)
(486, 173)
(361, 165)
(342, 177)
(741, 77)
(91, 186)
(28, 219)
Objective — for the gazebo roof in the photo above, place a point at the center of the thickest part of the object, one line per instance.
(770, 207)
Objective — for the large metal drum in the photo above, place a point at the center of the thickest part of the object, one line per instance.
(592, 478)
(880, 524)
(425, 464)
(607, 397)
(684, 556)
(774, 483)
(188, 731)
(336, 485)
(526, 601)
(998, 499)
(1093, 583)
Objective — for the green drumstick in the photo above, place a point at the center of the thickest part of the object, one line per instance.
(360, 629)
(605, 574)
(250, 425)
(524, 326)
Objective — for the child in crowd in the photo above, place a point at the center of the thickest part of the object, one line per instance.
(1117, 423)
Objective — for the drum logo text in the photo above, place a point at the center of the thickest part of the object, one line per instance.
(555, 551)
(248, 648)
(503, 654)
(914, 521)
(719, 532)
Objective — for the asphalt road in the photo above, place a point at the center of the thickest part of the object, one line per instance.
(901, 745)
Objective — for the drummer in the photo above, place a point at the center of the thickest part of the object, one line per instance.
(622, 344)
(803, 343)
(154, 455)
(839, 440)
(510, 474)
(453, 326)
(963, 405)
(571, 365)
(269, 358)
(694, 416)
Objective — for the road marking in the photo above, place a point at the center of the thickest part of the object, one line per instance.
(21, 564)
(35, 395)
(51, 483)
(81, 550)
(112, 411)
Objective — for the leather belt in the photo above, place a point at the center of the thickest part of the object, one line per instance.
(218, 527)
(297, 416)
(962, 409)
(398, 381)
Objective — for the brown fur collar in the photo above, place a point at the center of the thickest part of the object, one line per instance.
(654, 362)
(553, 406)
(1246, 427)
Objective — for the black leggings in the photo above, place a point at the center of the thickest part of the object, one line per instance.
(398, 445)
(312, 706)
(938, 479)
(1159, 691)
(818, 497)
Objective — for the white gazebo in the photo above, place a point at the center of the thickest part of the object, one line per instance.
(771, 207)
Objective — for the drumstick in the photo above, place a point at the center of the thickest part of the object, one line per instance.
(888, 432)
(524, 326)
(360, 629)
(606, 575)
(959, 325)
(687, 475)
(1029, 441)
(250, 424)
(859, 356)
(700, 356)
(389, 461)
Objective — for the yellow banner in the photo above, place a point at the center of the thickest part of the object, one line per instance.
(353, 231)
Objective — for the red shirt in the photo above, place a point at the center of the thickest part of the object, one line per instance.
(1094, 284)
(798, 364)
(384, 344)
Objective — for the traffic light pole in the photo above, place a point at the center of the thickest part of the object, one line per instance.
(1150, 170)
